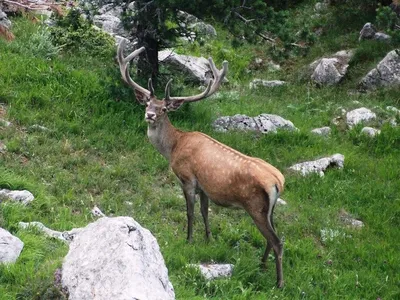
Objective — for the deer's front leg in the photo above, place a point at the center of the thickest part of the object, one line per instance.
(189, 192)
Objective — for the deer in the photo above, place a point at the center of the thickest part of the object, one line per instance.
(208, 168)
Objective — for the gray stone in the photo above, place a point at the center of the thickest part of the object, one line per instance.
(368, 32)
(195, 24)
(386, 73)
(115, 258)
(348, 220)
(324, 131)
(319, 166)
(370, 131)
(3, 147)
(358, 116)
(197, 68)
(96, 212)
(256, 83)
(330, 71)
(24, 197)
(393, 109)
(109, 19)
(66, 236)
(5, 123)
(265, 123)
(213, 271)
(4, 21)
(10, 247)
(281, 202)
(36, 127)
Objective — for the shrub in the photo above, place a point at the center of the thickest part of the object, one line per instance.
(74, 33)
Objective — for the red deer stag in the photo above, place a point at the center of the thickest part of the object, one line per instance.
(208, 167)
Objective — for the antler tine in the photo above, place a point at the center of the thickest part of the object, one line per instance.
(151, 88)
(124, 64)
(167, 90)
(212, 87)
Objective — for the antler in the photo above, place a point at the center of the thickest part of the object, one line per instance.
(212, 87)
(123, 67)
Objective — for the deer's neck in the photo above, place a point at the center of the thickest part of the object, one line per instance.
(164, 136)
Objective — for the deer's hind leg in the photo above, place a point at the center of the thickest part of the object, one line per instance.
(204, 212)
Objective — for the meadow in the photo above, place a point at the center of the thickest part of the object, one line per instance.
(97, 153)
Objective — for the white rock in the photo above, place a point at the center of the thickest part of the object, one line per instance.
(213, 271)
(264, 123)
(370, 131)
(3, 147)
(394, 109)
(36, 127)
(359, 115)
(324, 131)
(281, 202)
(66, 236)
(256, 83)
(115, 258)
(5, 123)
(24, 197)
(348, 220)
(96, 212)
(319, 166)
(10, 247)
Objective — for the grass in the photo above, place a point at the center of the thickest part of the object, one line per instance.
(97, 153)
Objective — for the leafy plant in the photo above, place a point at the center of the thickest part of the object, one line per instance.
(74, 33)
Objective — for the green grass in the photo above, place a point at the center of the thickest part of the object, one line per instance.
(97, 153)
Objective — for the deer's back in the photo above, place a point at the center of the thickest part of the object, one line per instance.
(227, 176)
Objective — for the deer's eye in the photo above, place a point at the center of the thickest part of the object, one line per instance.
(147, 103)
(164, 109)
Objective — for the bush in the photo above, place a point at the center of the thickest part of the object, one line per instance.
(74, 33)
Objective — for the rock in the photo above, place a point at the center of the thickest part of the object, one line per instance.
(10, 247)
(321, 6)
(109, 19)
(4, 123)
(3, 147)
(213, 271)
(199, 27)
(359, 115)
(386, 73)
(66, 236)
(348, 220)
(264, 123)
(4, 21)
(393, 109)
(115, 258)
(319, 166)
(370, 131)
(96, 212)
(330, 71)
(36, 127)
(197, 68)
(265, 83)
(273, 66)
(324, 131)
(368, 32)
(281, 202)
(24, 197)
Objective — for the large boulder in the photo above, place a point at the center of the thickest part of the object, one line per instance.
(330, 70)
(196, 68)
(115, 258)
(109, 19)
(264, 123)
(10, 247)
(386, 73)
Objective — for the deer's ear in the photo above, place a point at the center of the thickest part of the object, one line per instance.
(174, 105)
(141, 97)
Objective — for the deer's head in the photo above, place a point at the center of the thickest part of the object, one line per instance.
(156, 109)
